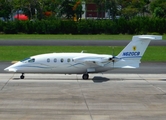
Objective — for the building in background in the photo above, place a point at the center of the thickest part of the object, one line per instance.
(91, 11)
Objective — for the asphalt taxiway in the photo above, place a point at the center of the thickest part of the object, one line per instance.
(73, 42)
(68, 97)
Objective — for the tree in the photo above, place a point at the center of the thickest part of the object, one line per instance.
(52, 7)
(131, 8)
(67, 9)
(71, 9)
(34, 8)
(158, 12)
(5, 9)
(158, 8)
(145, 7)
(78, 9)
(41, 9)
(112, 7)
(27, 7)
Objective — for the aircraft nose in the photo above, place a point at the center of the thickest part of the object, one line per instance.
(6, 69)
(10, 69)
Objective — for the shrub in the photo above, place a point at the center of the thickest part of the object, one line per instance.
(10, 27)
(137, 25)
(1, 25)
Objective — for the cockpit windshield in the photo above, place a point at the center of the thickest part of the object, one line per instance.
(30, 60)
(25, 59)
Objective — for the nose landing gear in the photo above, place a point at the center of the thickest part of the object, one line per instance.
(22, 76)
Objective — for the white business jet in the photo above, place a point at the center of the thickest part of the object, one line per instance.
(85, 63)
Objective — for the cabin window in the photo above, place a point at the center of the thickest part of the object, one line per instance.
(68, 60)
(55, 60)
(62, 60)
(48, 60)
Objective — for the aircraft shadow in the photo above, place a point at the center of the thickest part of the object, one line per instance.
(16, 79)
(163, 79)
(99, 79)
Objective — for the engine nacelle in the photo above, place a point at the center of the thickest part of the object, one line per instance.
(109, 59)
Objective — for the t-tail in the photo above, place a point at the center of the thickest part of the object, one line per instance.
(131, 55)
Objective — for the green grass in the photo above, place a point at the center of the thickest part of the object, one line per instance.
(12, 53)
(15, 53)
(66, 37)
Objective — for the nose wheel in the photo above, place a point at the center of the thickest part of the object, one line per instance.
(85, 76)
(22, 76)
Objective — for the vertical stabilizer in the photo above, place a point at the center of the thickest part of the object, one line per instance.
(134, 51)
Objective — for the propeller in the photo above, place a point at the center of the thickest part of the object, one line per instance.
(113, 60)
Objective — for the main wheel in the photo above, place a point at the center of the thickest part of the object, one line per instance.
(22, 76)
(85, 76)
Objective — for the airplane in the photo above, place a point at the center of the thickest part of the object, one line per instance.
(85, 63)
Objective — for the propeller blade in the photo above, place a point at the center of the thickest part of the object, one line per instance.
(113, 55)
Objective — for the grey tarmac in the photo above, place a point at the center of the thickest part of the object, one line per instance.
(68, 97)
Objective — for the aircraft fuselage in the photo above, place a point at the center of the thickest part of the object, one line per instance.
(62, 63)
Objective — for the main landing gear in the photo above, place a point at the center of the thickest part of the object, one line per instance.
(85, 76)
(22, 76)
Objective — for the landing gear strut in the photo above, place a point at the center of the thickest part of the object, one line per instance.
(85, 76)
(22, 76)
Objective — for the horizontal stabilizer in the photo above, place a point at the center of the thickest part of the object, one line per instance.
(147, 37)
